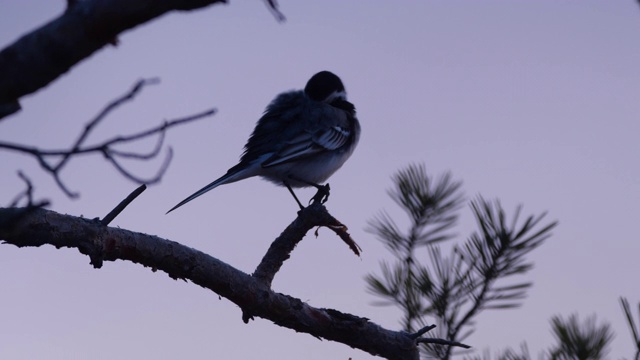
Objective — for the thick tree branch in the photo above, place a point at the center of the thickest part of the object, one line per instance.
(39, 227)
(41, 56)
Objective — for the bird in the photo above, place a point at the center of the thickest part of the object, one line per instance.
(302, 138)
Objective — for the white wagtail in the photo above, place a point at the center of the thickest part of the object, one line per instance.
(303, 137)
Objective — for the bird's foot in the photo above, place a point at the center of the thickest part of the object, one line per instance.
(322, 195)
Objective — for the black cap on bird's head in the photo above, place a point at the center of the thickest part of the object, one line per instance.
(325, 86)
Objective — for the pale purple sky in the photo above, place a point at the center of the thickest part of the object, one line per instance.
(534, 103)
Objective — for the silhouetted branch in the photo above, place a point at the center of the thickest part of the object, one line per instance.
(41, 56)
(496, 252)
(431, 206)
(422, 331)
(442, 342)
(576, 340)
(506, 354)
(123, 204)
(453, 289)
(632, 326)
(8, 222)
(103, 243)
(53, 161)
(280, 250)
(103, 114)
(273, 6)
(27, 193)
(341, 230)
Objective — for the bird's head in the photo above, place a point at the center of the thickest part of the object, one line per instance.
(325, 86)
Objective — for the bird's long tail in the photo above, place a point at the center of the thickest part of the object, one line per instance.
(232, 175)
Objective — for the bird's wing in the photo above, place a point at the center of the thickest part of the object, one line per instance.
(310, 143)
(332, 138)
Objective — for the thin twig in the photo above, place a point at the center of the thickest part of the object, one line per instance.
(108, 143)
(123, 204)
(47, 158)
(442, 342)
(103, 114)
(139, 156)
(28, 192)
(274, 8)
(341, 230)
(634, 333)
(163, 168)
(422, 331)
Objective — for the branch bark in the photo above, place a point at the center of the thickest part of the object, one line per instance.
(24, 227)
(39, 57)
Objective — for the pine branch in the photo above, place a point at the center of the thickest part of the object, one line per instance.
(431, 207)
(632, 325)
(577, 340)
(496, 252)
(454, 288)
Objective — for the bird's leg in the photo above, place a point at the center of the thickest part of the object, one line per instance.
(323, 190)
(294, 194)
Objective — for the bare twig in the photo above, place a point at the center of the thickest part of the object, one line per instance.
(422, 331)
(420, 340)
(441, 342)
(632, 326)
(103, 114)
(341, 230)
(274, 8)
(28, 192)
(123, 204)
(53, 161)
(163, 168)
(8, 222)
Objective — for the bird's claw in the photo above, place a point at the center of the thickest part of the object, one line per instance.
(322, 195)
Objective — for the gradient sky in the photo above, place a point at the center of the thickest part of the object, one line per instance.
(533, 103)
